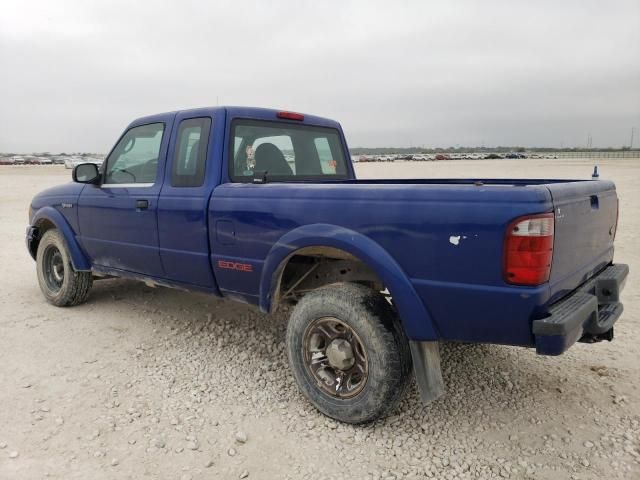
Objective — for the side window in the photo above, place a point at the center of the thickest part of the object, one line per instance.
(327, 163)
(190, 156)
(135, 157)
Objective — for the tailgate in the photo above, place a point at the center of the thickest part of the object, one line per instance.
(586, 215)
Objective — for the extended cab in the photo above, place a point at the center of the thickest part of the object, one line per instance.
(263, 207)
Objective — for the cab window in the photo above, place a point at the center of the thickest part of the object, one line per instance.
(190, 156)
(135, 157)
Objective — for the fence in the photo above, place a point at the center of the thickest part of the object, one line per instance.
(597, 154)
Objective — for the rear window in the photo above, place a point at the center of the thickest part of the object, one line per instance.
(285, 152)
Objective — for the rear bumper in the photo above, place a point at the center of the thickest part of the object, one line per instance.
(587, 315)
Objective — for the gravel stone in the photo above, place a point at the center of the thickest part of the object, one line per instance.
(158, 442)
(192, 445)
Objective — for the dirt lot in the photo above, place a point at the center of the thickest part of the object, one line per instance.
(157, 383)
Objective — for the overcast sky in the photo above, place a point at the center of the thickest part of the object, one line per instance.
(543, 73)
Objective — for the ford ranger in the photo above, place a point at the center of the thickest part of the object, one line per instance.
(263, 207)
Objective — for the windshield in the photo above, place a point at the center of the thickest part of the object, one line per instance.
(285, 152)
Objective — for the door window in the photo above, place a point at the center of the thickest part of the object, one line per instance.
(190, 156)
(135, 157)
(327, 163)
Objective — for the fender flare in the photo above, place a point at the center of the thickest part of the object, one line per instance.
(416, 320)
(79, 259)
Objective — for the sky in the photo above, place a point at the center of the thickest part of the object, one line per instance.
(74, 73)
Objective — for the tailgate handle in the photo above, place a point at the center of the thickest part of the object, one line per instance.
(594, 202)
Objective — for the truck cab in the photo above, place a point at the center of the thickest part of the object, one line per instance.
(157, 183)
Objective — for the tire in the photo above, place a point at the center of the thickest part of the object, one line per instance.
(366, 317)
(61, 285)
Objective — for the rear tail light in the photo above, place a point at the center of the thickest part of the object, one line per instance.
(528, 250)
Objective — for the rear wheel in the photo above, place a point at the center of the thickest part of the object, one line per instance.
(60, 283)
(348, 353)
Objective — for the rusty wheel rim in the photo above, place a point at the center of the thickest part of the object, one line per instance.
(335, 357)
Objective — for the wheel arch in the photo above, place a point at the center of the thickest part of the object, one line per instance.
(416, 320)
(47, 218)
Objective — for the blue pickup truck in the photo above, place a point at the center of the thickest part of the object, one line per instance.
(263, 207)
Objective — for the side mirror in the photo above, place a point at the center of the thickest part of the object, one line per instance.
(86, 173)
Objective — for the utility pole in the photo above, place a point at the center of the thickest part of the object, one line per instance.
(631, 141)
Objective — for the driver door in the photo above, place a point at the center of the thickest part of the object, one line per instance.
(118, 220)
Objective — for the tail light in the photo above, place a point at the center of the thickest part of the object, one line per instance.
(528, 250)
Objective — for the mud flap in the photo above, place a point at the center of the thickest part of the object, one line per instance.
(426, 365)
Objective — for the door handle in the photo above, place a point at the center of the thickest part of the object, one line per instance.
(142, 204)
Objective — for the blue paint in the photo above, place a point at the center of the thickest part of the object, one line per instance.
(435, 243)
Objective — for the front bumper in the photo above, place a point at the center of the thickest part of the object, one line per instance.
(587, 315)
(31, 235)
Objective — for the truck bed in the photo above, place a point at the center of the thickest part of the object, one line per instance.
(447, 235)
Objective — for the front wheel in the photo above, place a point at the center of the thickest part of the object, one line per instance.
(348, 353)
(60, 283)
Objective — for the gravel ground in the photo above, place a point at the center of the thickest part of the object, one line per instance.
(147, 382)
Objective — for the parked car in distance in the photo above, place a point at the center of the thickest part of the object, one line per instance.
(73, 161)
(41, 161)
(377, 271)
